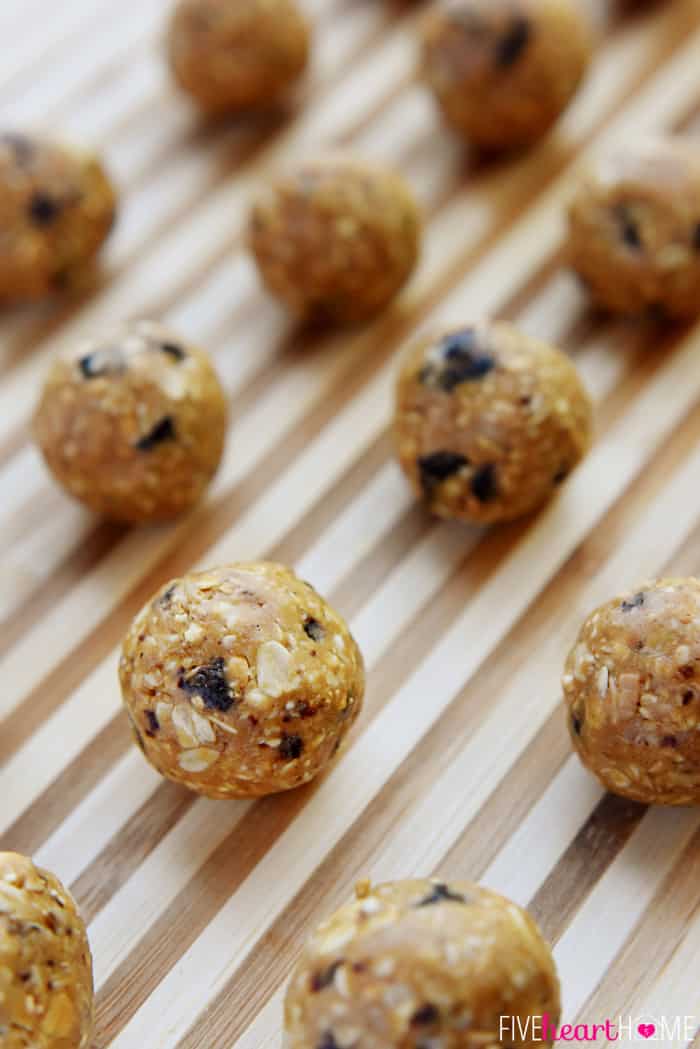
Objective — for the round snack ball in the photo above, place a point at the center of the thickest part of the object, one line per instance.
(57, 206)
(336, 238)
(504, 70)
(488, 421)
(422, 963)
(133, 423)
(46, 993)
(240, 681)
(634, 228)
(232, 55)
(632, 692)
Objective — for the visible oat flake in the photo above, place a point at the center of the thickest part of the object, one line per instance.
(198, 760)
(273, 668)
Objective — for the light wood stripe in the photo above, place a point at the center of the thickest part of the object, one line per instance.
(460, 765)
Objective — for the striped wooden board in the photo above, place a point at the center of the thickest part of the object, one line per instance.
(460, 764)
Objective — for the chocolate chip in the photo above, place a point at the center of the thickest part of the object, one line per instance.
(687, 671)
(313, 629)
(696, 237)
(291, 747)
(42, 209)
(511, 46)
(576, 724)
(327, 1041)
(441, 894)
(210, 682)
(427, 1014)
(324, 977)
(87, 366)
(561, 474)
(108, 361)
(483, 483)
(669, 741)
(629, 230)
(302, 709)
(173, 350)
(152, 722)
(437, 467)
(461, 360)
(166, 597)
(163, 430)
(688, 697)
(635, 602)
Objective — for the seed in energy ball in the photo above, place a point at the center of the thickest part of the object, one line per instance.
(240, 681)
(132, 423)
(632, 693)
(422, 963)
(46, 991)
(336, 238)
(634, 228)
(233, 55)
(57, 207)
(488, 422)
(504, 70)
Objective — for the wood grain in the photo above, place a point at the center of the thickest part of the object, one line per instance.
(460, 764)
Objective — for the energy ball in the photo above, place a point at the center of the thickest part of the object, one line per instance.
(632, 693)
(46, 994)
(336, 238)
(488, 421)
(57, 206)
(422, 963)
(132, 423)
(504, 70)
(232, 55)
(240, 681)
(634, 228)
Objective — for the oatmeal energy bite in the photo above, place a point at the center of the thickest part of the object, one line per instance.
(132, 423)
(233, 55)
(632, 693)
(634, 227)
(240, 681)
(504, 70)
(489, 422)
(57, 206)
(46, 994)
(335, 238)
(421, 963)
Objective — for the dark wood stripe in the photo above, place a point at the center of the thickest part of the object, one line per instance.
(596, 845)
(648, 951)
(130, 846)
(176, 930)
(74, 783)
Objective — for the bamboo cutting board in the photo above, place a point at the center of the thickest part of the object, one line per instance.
(460, 764)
